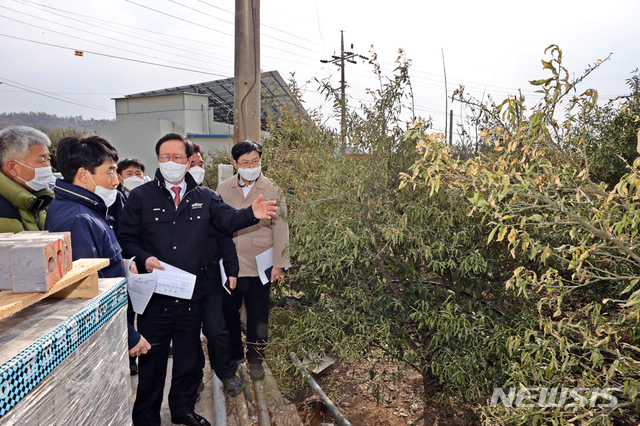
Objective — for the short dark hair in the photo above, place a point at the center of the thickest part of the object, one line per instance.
(197, 148)
(245, 147)
(129, 162)
(188, 147)
(89, 152)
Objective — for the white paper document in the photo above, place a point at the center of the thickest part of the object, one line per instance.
(265, 264)
(140, 288)
(174, 282)
(223, 275)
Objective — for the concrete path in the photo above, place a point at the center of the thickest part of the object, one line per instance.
(279, 410)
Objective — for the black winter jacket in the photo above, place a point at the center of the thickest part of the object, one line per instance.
(151, 225)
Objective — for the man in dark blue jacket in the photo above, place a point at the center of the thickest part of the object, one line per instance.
(88, 206)
(170, 219)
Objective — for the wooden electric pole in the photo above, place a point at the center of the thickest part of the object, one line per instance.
(339, 61)
(246, 102)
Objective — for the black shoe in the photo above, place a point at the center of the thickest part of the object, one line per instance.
(233, 385)
(257, 372)
(191, 419)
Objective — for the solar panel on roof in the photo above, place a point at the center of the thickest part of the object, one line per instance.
(275, 92)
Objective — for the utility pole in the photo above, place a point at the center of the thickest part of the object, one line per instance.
(246, 92)
(339, 61)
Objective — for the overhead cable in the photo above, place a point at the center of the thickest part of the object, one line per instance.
(98, 35)
(114, 56)
(43, 93)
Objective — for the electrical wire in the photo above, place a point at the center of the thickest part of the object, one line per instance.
(231, 23)
(324, 48)
(418, 81)
(137, 36)
(176, 17)
(199, 11)
(99, 35)
(79, 38)
(111, 22)
(47, 95)
(114, 56)
(199, 25)
(261, 24)
(42, 6)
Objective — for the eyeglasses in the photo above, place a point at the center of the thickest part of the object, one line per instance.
(175, 158)
(254, 163)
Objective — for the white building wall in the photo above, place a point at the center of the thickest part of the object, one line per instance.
(138, 139)
(141, 122)
(219, 138)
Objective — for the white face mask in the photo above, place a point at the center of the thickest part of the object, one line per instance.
(40, 180)
(250, 174)
(172, 172)
(132, 182)
(198, 174)
(108, 195)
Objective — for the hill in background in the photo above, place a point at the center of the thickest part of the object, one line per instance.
(46, 122)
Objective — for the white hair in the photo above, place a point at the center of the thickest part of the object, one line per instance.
(16, 140)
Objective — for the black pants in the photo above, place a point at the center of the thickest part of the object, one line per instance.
(218, 343)
(256, 300)
(159, 325)
(131, 318)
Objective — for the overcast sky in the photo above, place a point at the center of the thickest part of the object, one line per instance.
(491, 47)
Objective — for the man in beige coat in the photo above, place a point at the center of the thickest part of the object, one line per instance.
(240, 191)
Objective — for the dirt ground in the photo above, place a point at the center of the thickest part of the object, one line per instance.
(369, 393)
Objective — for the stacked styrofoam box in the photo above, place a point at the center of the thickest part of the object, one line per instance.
(34, 261)
(64, 362)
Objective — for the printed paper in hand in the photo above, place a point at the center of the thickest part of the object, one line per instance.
(223, 275)
(140, 288)
(174, 282)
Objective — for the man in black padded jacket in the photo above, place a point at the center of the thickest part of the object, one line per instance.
(170, 220)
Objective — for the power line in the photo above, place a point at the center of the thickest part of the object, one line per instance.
(261, 24)
(139, 29)
(113, 56)
(199, 25)
(199, 11)
(416, 79)
(215, 17)
(45, 94)
(152, 40)
(422, 80)
(69, 93)
(92, 33)
(82, 39)
(27, 3)
(176, 17)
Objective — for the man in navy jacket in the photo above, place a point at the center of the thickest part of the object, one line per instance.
(169, 220)
(88, 166)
